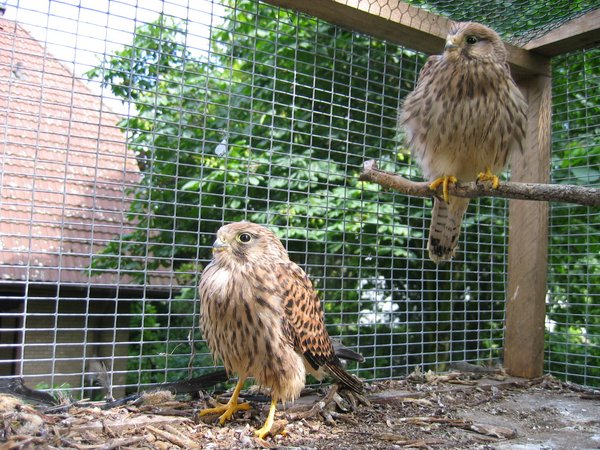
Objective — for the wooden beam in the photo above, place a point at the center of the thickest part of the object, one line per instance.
(528, 240)
(392, 20)
(573, 35)
(398, 22)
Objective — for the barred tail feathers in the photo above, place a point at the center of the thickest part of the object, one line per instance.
(343, 352)
(348, 380)
(444, 231)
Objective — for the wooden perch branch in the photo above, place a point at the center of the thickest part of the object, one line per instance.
(520, 191)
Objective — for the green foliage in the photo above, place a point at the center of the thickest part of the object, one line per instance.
(273, 127)
(573, 342)
(572, 355)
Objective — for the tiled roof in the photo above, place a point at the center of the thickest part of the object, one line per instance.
(64, 167)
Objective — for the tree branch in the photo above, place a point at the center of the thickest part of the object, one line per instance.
(520, 191)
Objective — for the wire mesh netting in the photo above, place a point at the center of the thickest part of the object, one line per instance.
(517, 21)
(131, 134)
(573, 293)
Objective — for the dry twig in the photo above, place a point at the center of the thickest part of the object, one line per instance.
(412, 443)
(481, 428)
(111, 444)
(20, 442)
(566, 193)
(318, 408)
(174, 437)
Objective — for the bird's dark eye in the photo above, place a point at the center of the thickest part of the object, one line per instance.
(244, 238)
(471, 40)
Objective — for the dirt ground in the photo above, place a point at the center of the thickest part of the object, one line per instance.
(424, 411)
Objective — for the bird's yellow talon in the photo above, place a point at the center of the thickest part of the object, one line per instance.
(226, 410)
(231, 407)
(436, 183)
(445, 181)
(489, 176)
(262, 433)
(266, 428)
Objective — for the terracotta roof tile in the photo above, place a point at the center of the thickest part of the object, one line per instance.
(64, 167)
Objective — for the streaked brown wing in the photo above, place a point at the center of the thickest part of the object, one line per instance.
(303, 319)
(304, 323)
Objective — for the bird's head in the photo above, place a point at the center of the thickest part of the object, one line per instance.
(247, 242)
(472, 40)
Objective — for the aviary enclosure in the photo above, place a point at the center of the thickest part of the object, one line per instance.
(131, 132)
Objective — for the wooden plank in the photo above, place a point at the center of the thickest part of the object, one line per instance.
(573, 35)
(391, 20)
(398, 22)
(528, 241)
(524, 63)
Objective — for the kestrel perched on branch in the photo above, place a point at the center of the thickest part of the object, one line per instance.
(260, 314)
(463, 119)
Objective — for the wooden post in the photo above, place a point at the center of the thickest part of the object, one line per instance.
(528, 240)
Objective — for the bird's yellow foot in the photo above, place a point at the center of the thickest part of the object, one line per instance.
(444, 181)
(489, 176)
(226, 411)
(266, 428)
(232, 405)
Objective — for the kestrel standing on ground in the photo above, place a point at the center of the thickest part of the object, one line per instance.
(260, 314)
(463, 119)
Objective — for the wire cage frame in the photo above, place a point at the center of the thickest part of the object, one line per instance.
(132, 133)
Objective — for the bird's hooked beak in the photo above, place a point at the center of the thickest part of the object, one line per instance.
(219, 246)
(450, 45)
